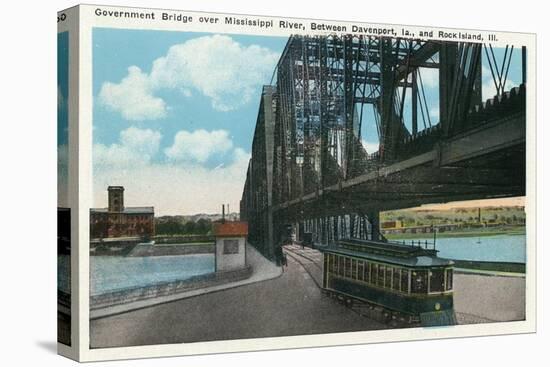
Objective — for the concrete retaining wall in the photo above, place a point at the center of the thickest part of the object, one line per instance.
(182, 239)
(507, 267)
(171, 250)
(168, 288)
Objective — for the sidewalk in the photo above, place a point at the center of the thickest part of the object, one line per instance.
(288, 305)
(262, 269)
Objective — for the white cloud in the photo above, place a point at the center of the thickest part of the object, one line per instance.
(182, 185)
(370, 147)
(488, 89)
(133, 97)
(199, 145)
(136, 147)
(430, 77)
(434, 113)
(215, 66)
(177, 188)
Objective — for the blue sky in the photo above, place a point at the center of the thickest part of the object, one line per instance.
(430, 80)
(116, 50)
(62, 117)
(174, 114)
(62, 87)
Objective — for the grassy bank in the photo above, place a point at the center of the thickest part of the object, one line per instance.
(496, 266)
(183, 239)
(184, 244)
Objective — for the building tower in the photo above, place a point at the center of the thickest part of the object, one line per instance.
(116, 198)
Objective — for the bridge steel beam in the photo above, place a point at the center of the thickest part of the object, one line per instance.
(309, 168)
(256, 205)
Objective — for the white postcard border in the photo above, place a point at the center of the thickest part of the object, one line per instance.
(88, 20)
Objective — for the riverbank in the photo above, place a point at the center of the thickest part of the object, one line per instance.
(474, 232)
(172, 249)
(287, 305)
(179, 239)
(136, 248)
(261, 270)
(490, 267)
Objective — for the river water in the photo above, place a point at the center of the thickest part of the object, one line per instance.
(505, 248)
(110, 273)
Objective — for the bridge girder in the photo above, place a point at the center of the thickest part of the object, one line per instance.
(312, 160)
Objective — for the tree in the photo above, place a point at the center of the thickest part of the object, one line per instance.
(203, 226)
(170, 226)
(190, 227)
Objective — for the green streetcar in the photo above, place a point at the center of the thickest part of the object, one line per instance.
(408, 280)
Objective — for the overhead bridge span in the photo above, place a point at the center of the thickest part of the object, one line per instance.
(311, 170)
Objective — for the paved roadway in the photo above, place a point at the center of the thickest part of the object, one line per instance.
(486, 298)
(291, 304)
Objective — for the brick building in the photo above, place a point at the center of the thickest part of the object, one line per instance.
(120, 221)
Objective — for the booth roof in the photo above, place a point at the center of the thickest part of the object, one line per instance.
(231, 229)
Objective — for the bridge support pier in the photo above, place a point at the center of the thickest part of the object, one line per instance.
(269, 238)
(374, 219)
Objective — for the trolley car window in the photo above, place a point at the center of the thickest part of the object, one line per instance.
(354, 269)
(331, 263)
(404, 281)
(348, 267)
(419, 281)
(374, 273)
(396, 278)
(381, 271)
(341, 266)
(437, 281)
(449, 284)
(360, 270)
(367, 271)
(387, 282)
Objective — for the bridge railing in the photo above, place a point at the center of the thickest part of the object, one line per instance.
(495, 108)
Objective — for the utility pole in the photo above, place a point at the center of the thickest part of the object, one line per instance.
(479, 215)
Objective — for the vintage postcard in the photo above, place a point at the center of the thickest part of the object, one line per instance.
(263, 183)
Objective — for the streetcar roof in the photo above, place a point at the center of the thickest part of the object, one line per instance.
(389, 247)
(413, 261)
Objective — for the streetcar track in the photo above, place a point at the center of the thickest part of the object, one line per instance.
(305, 257)
(290, 253)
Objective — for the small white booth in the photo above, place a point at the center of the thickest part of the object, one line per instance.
(230, 245)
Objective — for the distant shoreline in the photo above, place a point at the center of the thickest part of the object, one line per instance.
(136, 249)
(463, 233)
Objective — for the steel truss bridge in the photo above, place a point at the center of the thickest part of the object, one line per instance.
(310, 170)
